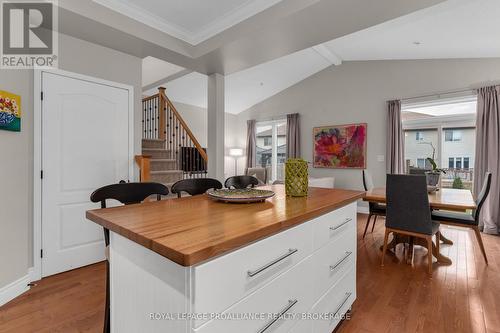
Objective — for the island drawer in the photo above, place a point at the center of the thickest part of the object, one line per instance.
(219, 283)
(333, 260)
(332, 225)
(335, 303)
(289, 295)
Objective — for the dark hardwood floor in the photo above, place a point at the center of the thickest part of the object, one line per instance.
(463, 297)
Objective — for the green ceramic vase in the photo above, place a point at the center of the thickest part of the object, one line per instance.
(296, 177)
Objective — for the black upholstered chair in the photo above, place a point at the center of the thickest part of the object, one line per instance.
(195, 186)
(468, 220)
(375, 209)
(408, 211)
(240, 182)
(126, 193)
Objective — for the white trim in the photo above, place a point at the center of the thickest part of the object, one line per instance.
(36, 271)
(239, 14)
(14, 289)
(363, 209)
(328, 54)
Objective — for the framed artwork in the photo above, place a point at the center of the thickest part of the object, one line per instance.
(340, 147)
(10, 111)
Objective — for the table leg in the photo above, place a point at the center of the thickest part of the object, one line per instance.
(442, 259)
(396, 239)
(445, 240)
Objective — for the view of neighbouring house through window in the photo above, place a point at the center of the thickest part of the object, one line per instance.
(447, 127)
(271, 148)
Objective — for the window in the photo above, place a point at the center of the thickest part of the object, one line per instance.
(444, 127)
(466, 163)
(421, 163)
(271, 148)
(452, 135)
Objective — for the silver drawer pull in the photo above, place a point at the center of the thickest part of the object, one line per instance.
(347, 220)
(347, 295)
(274, 262)
(347, 254)
(280, 314)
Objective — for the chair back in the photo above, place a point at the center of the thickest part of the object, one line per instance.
(367, 180)
(257, 172)
(239, 182)
(195, 186)
(128, 193)
(417, 171)
(408, 204)
(481, 197)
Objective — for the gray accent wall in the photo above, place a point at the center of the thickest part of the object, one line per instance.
(16, 158)
(356, 92)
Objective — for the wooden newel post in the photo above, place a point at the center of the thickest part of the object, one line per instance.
(162, 113)
(144, 163)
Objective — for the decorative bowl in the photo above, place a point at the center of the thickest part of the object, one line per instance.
(240, 195)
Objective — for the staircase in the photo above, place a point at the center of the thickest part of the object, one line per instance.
(170, 151)
(163, 168)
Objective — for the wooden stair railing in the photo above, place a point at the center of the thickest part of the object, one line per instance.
(161, 120)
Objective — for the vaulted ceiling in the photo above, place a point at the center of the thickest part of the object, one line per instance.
(451, 29)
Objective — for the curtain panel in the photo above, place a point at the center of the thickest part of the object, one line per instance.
(251, 143)
(488, 155)
(292, 135)
(395, 139)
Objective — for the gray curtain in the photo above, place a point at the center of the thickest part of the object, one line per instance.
(488, 155)
(395, 139)
(292, 136)
(251, 143)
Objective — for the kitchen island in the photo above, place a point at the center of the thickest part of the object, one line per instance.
(196, 265)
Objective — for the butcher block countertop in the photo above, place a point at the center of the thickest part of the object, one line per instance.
(193, 229)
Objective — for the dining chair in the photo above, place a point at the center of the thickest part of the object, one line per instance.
(127, 194)
(258, 172)
(240, 182)
(195, 186)
(468, 220)
(408, 212)
(375, 209)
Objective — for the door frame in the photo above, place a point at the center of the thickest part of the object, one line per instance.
(36, 271)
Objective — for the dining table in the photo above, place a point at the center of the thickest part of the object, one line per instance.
(460, 200)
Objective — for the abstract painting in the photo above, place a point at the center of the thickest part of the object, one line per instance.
(10, 111)
(340, 147)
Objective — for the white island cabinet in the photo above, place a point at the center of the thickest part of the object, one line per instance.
(301, 278)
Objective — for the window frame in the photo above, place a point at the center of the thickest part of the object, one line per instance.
(274, 144)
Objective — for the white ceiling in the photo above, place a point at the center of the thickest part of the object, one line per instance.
(251, 86)
(192, 21)
(154, 69)
(453, 29)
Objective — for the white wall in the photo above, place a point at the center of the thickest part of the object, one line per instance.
(196, 118)
(357, 92)
(16, 160)
(16, 152)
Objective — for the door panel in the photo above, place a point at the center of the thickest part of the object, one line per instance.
(85, 145)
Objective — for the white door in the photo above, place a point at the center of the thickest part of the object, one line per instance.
(85, 145)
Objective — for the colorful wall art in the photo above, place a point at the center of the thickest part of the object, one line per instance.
(340, 147)
(10, 111)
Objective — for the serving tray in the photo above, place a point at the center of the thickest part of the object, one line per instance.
(240, 195)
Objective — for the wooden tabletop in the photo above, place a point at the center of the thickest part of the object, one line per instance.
(445, 198)
(190, 230)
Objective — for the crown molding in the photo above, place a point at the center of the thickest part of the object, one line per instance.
(235, 16)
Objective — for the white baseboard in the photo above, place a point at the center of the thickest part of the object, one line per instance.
(14, 289)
